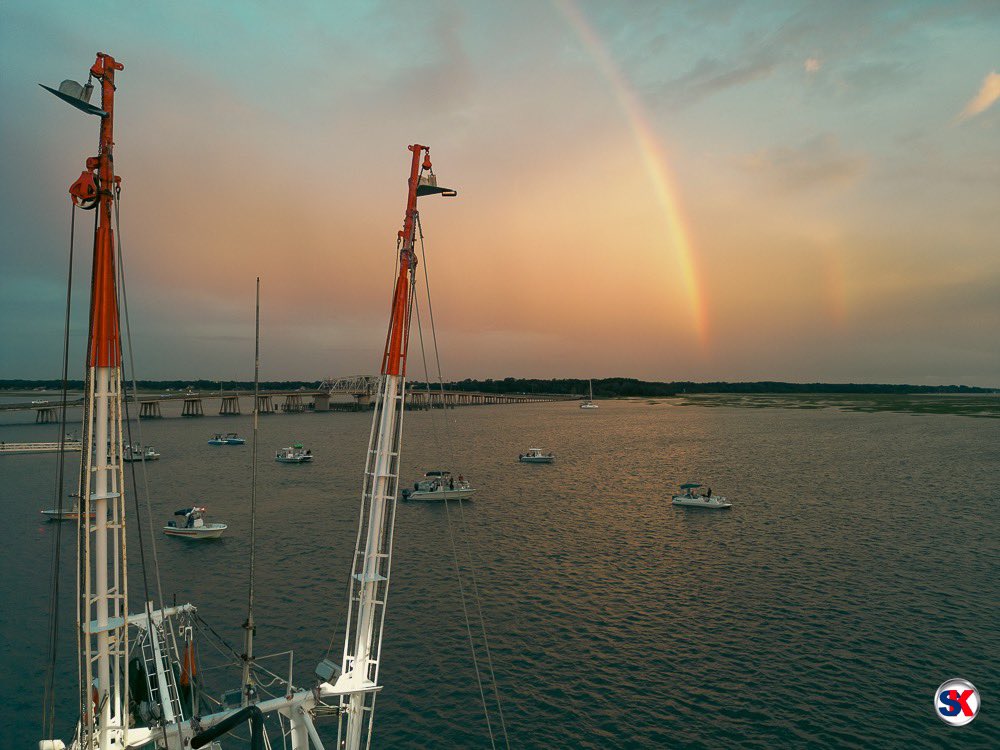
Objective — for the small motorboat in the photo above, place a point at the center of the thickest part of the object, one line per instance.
(136, 452)
(535, 456)
(233, 439)
(194, 525)
(692, 498)
(217, 439)
(70, 513)
(439, 485)
(295, 454)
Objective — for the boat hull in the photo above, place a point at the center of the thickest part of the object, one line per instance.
(536, 459)
(298, 460)
(208, 531)
(461, 494)
(708, 503)
(64, 515)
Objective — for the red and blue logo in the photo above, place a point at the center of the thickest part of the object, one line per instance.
(956, 702)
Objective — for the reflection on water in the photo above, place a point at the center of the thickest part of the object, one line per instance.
(856, 564)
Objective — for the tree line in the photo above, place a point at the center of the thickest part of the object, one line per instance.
(603, 387)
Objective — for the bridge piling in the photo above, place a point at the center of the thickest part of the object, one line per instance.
(150, 410)
(230, 406)
(193, 408)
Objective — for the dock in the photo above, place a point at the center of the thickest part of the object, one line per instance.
(69, 445)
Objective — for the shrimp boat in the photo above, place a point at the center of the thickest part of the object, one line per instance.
(116, 711)
(589, 403)
(439, 485)
(691, 498)
(194, 525)
(535, 456)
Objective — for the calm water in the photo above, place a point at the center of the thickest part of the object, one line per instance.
(856, 572)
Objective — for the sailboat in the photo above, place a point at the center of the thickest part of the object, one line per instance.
(589, 403)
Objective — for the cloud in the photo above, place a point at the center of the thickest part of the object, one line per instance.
(812, 64)
(989, 92)
(819, 161)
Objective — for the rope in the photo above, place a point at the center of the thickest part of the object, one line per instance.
(465, 531)
(135, 393)
(468, 626)
(48, 700)
(147, 606)
(482, 622)
(249, 624)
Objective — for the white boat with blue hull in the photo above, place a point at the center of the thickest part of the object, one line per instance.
(692, 498)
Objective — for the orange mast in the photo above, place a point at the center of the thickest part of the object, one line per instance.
(394, 359)
(105, 338)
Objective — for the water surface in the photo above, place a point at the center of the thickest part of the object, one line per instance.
(855, 572)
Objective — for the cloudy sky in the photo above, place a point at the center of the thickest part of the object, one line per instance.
(662, 190)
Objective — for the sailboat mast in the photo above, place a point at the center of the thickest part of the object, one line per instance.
(249, 694)
(373, 552)
(103, 600)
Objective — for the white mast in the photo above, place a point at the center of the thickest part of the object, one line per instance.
(369, 586)
(102, 584)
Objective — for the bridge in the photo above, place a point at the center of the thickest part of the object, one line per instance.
(354, 393)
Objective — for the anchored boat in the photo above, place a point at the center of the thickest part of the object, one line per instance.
(135, 452)
(71, 513)
(589, 403)
(294, 454)
(691, 498)
(439, 485)
(535, 456)
(194, 525)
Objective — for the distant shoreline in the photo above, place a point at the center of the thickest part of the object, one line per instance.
(603, 387)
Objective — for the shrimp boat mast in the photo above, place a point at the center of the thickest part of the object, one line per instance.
(102, 618)
(350, 689)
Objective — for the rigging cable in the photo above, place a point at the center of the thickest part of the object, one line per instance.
(249, 625)
(147, 603)
(82, 525)
(465, 530)
(135, 394)
(48, 700)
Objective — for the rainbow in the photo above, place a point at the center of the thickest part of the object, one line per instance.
(653, 159)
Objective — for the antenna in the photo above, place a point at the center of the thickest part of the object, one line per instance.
(248, 690)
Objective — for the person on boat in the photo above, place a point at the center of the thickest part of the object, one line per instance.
(451, 483)
(460, 479)
(709, 493)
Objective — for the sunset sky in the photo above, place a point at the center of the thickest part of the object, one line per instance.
(662, 190)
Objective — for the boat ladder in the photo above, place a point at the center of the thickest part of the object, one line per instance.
(154, 659)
